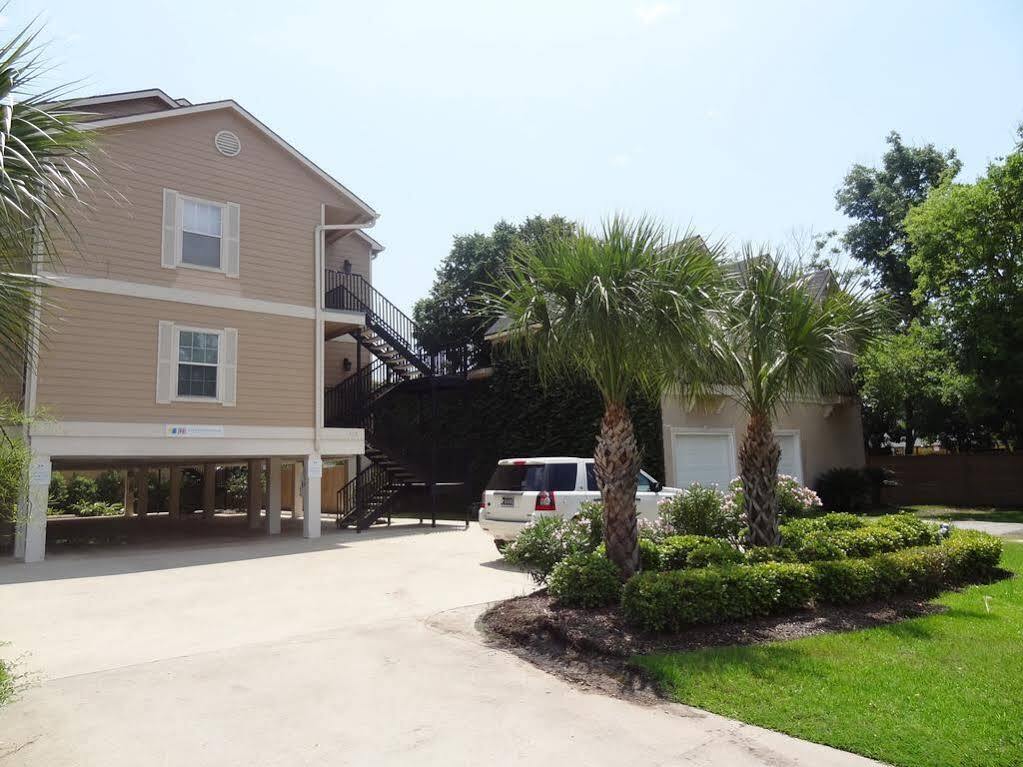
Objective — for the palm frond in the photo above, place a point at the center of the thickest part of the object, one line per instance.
(627, 307)
(45, 167)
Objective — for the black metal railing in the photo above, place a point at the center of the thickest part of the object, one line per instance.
(352, 292)
(363, 497)
(347, 403)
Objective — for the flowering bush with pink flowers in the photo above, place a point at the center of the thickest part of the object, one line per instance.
(794, 500)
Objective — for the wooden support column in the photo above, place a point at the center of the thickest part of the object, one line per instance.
(129, 494)
(142, 490)
(209, 490)
(273, 493)
(255, 493)
(174, 497)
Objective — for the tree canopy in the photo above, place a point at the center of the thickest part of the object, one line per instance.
(878, 199)
(967, 242)
(448, 315)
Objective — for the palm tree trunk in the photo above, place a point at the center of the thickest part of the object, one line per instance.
(616, 460)
(758, 462)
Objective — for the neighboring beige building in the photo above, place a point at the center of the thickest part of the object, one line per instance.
(219, 293)
(701, 442)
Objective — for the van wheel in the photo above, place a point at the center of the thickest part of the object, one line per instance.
(501, 546)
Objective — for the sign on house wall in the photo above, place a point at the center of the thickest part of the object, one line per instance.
(199, 430)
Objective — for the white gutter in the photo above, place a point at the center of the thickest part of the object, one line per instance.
(319, 233)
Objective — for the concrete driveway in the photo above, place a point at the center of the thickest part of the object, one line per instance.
(344, 651)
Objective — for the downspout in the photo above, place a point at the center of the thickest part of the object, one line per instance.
(320, 236)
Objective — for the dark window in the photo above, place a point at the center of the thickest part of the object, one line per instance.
(591, 477)
(198, 354)
(643, 484)
(555, 476)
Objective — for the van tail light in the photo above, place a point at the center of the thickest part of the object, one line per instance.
(545, 501)
(483, 499)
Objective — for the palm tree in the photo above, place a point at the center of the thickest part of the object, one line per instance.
(44, 168)
(627, 309)
(782, 335)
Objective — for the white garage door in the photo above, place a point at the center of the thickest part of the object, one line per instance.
(790, 459)
(704, 458)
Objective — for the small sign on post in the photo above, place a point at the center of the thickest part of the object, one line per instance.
(315, 466)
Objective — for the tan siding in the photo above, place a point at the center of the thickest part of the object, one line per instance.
(100, 363)
(11, 387)
(333, 361)
(354, 249)
(826, 441)
(280, 202)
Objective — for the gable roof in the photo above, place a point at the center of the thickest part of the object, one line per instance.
(176, 109)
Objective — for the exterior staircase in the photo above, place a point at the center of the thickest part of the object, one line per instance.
(398, 461)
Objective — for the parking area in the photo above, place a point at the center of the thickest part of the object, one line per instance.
(350, 649)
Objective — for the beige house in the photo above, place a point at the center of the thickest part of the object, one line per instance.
(214, 311)
(701, 440)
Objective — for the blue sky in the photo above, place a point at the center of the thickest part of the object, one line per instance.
(735, 118)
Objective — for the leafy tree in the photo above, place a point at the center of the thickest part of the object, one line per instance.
(911, 386)
(44, 167)
(967, 258)
(878, 199)
(781, 337)
(110, 486)
(627, 308)
(448, 315)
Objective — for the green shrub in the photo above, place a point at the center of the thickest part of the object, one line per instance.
(669, 601)
(100, 509)
(110, 487)
(844, 581)
(585, 580)
(545, 541)
(843, 489)
(58, 493)
(675, 550)
(592, 513)
(713, 553)
(795, 531)
(14, 459)
(819, 547)
(649, 555)
(698, 510)
(972, 555)
(759, 554)
(913, 531)
(80, 491)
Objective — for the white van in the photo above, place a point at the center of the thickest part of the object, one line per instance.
(522, 488)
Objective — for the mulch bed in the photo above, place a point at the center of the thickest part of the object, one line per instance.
(592, 647)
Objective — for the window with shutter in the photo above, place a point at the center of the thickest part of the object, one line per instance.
(196, 364)
(200, 234)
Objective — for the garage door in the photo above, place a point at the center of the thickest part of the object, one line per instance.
(704, 458)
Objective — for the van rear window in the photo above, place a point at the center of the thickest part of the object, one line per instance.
(551, 476)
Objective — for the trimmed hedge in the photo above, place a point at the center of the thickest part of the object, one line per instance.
(836, 536)
(585, 580)
(669, 601)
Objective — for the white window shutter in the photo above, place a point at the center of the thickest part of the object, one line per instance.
(228, 373)
(165, 362)
(171, 227)
(231, 240)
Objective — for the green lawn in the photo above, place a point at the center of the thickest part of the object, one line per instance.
(959, 513)
(941, 690)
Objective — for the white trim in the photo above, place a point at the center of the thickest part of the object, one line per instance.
(703, 430)
(176, 361)
(373, 244)
(235, 107)
(799, 448)
(182, 296)
(103, 439)
(128, 96)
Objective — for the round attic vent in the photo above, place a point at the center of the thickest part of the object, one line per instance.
(227, 143)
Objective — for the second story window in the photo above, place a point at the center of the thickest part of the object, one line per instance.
(201, 230)
(198, 358)
(200, 234)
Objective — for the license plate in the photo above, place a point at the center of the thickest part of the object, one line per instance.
(507, 500)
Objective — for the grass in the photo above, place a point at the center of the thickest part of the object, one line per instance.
(946, 689)
(960, 513)
(6, 683)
